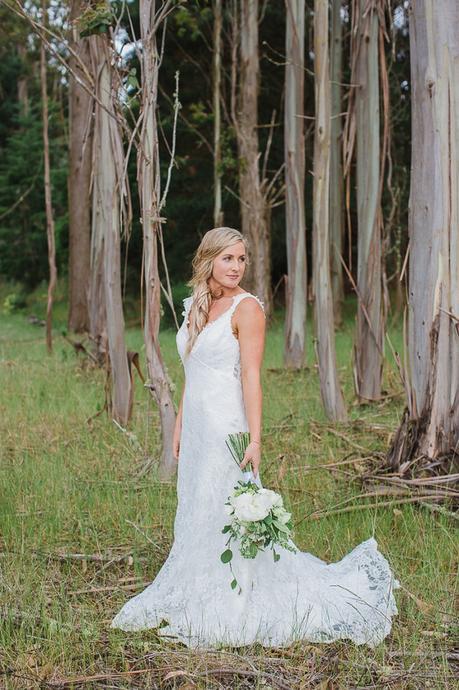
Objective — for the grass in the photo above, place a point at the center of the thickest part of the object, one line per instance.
(69, 487)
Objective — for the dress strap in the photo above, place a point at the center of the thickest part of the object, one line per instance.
(242, 296)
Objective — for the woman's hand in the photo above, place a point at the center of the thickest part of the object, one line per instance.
(253, 455)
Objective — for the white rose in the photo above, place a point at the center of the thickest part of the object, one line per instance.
(250, 507)
(275, 499)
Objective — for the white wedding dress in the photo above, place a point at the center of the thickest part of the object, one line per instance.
(297, 597)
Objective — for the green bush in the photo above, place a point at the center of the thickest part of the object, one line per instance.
(14, 302)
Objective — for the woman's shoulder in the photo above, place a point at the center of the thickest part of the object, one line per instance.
(249, 304)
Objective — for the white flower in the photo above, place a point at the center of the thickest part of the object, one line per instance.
(251, 507)
(274, 498)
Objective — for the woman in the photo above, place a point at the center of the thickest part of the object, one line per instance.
(221, 343)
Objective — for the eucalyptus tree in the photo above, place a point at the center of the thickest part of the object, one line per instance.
(110, 213)
(81, 105)
(253, 185)
(296, 282)
(323, 299)
(216, 87)
(50, 226)
(336, 166)
(430, 425)
(151, 203)
(370, 330)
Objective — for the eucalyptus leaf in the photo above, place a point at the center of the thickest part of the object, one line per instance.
(226, 556)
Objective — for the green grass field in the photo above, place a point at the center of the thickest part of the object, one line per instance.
(71, 487)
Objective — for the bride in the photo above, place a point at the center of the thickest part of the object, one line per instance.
(221, 343)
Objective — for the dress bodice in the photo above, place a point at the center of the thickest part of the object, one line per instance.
(216, 346)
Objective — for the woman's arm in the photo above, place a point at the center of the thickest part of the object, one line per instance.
(251, 325)
(178, 427)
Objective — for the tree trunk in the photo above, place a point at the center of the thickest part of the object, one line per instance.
(296, 292)
(368, 351)
(108, 191)
(48, 201)
(218, 26)
(79, 181)
(23, 82)
(323, 300)
(96, 295)
(336, 166)
(148, 173)
(431, 425)
(255, 212)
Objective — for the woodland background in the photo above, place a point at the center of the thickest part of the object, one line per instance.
(23, 255)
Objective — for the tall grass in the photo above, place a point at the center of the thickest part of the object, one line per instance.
(71, 487)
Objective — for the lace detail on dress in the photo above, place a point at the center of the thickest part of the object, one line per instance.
(187, 301)
(299, 597)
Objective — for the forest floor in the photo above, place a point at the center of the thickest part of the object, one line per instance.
(83, 528)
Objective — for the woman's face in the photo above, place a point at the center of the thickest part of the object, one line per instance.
(229, 265)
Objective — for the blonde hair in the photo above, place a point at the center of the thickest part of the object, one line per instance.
(212, 244)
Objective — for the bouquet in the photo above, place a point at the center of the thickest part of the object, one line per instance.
(258, 517)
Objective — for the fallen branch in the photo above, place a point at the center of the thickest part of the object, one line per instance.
(110, 588)
(318, 515)
(440, 509)
(345, 438)
(90, 557)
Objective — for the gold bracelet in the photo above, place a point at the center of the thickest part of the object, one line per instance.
(256, 442)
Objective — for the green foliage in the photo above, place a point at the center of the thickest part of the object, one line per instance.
(226, 556)
(189, 20)
(229, 161)
(14, 302)
(199, 114)
(96, 19)
(23, 243)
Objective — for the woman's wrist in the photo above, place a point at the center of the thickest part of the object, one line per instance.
(255, 441)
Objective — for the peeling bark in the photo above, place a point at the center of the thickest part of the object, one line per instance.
(255, 209)
(216, 66)
(296, 283)
(108, 195)
(432, 418)
(148, 173)
(369, 341)
(50, 234)
(79, 181)
(323, 300)
(336, 166)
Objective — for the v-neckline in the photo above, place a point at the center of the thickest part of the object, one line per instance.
(209, 323)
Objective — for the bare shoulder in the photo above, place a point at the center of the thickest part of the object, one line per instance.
(250, 307)
(249, 318)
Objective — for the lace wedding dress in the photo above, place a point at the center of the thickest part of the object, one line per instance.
(297, 597)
